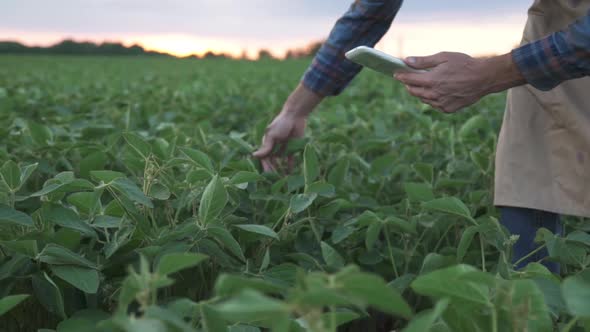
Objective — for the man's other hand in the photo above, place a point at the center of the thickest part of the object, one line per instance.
(455, 80)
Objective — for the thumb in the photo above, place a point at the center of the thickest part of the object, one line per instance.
(426, 62)
(266, 148)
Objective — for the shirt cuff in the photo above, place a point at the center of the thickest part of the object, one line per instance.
(322, 81)
(540, 64)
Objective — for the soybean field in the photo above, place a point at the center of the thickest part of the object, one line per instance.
(129, 201)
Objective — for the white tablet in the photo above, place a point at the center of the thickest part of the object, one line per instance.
(379, 61)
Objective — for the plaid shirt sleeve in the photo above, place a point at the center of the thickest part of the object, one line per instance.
(561, 56)
(363, 24)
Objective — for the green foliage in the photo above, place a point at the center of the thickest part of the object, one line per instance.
(129, 201)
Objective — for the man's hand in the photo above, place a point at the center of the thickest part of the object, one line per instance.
(286, 126)
(455, 80)
(289, 124)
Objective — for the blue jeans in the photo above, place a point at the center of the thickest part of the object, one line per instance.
(525, 223)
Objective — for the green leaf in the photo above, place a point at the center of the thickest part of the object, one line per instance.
(175, 262)
(10, 173)
(383, 165)
(10, 216)
(331, 256)
(243, 177)
(338, 318)
(69, 219)
(481, 159)
(159, 191)
(450, 205)
(576, 292)
(84, 279)
(48, 294)
(522, 307)
(213, 200)
(40, 134)
(372, 234)
(26, 172)
(471, 126)
(25, 247)
(322, 189)
(419, 192)
(92, 162)
(228, 285)
(107, 222)
(373, 290)
(434, 261)
(11, 301)
(58, 255)
(198, 158)
(84, 320)
(425, 320)
(172, 320)
(579, 237)
(212, 320)
(259, 229)
(400, 225)
(311, 165)
(138, 144)
(425, 171)
(301, 202)
(337, 175)
(341, 233)
(106, 176)
(86, 202)
(250, 306)
(224, 236)
(131, 191)
(447, 283)
(465, 241)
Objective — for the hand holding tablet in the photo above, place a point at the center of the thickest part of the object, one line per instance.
(379, 61)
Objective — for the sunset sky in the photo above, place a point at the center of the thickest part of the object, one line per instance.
(184, 27)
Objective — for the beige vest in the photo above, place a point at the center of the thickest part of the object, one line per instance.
(543, 153)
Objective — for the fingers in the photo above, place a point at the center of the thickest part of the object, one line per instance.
(267, 166)
(290, 163)
(423, 93)
(427, 61)
(422, 79)
(266, 148)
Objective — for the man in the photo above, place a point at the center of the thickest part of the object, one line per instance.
(543, 153)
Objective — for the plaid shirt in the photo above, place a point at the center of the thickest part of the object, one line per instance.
(561, 56)
(363, 24)
(545, 63)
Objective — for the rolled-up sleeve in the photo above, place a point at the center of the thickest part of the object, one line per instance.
(559, 57)
(364, 23)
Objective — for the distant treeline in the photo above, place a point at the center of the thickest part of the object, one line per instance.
(71, 47)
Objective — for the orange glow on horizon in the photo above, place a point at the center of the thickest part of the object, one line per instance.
(403, 39)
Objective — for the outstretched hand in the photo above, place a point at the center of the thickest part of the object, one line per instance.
(282, 129)
(455, 80)
(287, 125)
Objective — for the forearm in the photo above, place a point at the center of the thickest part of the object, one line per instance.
(302, 101)
(500, 73)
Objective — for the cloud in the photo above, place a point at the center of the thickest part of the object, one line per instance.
(271, 19)
(194, 26)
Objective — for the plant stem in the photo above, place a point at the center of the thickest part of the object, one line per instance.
(494, 319)
(570, 325)
(442, 238)
(529, 255)
(409, 258)
(390, 251)
(483, 254)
